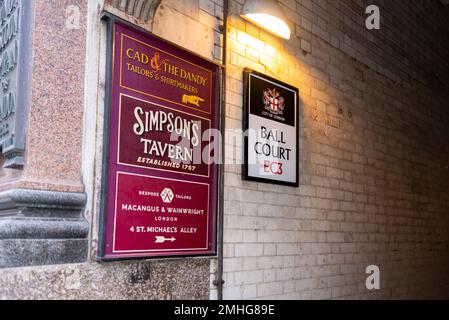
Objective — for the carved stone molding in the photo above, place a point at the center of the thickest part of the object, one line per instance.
(42, 228)
(140, 9)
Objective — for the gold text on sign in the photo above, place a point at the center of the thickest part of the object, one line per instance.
(158, 64)
(186, 75)
(155, 62)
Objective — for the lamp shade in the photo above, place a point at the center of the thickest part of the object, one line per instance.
(268, 15)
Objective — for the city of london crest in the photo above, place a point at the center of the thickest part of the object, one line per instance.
(273, 102)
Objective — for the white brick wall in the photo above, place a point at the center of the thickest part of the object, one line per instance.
(372, 191)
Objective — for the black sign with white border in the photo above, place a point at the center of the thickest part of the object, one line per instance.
(271, 125)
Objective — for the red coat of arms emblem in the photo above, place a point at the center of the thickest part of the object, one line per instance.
(273, 101)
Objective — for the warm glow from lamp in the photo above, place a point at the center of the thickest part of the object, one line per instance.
(270, 23)
(268, 15)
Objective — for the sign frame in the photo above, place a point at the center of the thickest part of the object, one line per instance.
(247, 74)
(111, 20)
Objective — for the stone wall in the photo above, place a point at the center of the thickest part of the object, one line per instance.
(64, 153)
(42, 202)
(374, 156)
(164, 280)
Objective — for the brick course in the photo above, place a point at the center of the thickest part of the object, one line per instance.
(373, 157)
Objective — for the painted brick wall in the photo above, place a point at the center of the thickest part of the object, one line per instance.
(374, 156)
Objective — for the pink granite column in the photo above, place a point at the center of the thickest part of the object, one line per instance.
(55, 125)
(41, 204)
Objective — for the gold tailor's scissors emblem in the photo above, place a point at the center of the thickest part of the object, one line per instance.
(192, 100)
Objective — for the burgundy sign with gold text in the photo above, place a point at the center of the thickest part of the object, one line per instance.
(162, 179)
